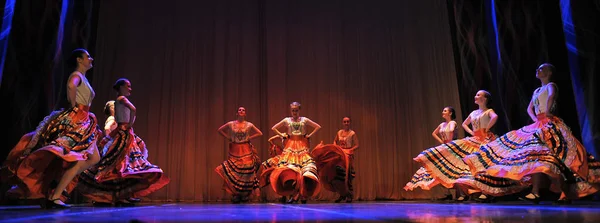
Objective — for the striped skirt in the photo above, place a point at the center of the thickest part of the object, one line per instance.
(547, 146)
(444, 164)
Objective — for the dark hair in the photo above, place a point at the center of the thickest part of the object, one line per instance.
(77, 53)
(107, 107)
(451, 109)
(550, 66)
(350, 119)
(488, 97)
(119, 83)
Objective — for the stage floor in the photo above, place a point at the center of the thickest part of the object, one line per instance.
(321, 212)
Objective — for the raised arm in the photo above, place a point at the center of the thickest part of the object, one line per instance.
(72, 84)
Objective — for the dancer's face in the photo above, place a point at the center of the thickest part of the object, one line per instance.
(241, 112)
(125, 89)
(85, 60)
(446, 113)
(295, 111)
(346, 122)
(542, 72)
(480, 98)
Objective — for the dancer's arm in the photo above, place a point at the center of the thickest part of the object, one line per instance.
(452, 126)
(530, 111)
(275, 129)
(257, 133)
(74, 81)
(132, 114)
(354, 142)
(108, 125)
(493, 119)
(335, 140)
(551, 98)
(436, 136)
(466, 127)
(314, 125)
(221, 131)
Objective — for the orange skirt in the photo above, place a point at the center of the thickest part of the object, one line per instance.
(239, 171)
(123, 172)
(335, 168)
(40, 158)
(295, 170)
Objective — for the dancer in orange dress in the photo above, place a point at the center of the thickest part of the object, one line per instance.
(335, 162)
(239, 170)
(44, 162)
(124, 174)
(444, 163)
(295, 173)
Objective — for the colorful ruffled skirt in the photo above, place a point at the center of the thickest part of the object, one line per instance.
(444, 164)
(335, 167)
(123, 172)
(547, 146)
(40, 158)
(293, 171)
(239, 171)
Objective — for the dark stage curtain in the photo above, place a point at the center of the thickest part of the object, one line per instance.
(387, 64)
(499, 44)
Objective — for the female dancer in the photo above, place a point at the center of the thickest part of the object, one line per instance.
(295, 173)
(110, 124)
(63, 145)
(444, 133)
(444, 162)
(336, 162)
(124, 174)
(239, 170)
(545, 152)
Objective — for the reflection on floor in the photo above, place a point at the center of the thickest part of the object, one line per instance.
(321, 212)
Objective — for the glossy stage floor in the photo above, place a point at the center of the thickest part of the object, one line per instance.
(412, 211)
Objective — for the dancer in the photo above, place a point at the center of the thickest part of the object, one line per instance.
(444, 133)
(124, 174)
(45, 161)
(295, 173)
(110, 124)
(543, 154)
(335, 162)
(239, 170)
(444, 163)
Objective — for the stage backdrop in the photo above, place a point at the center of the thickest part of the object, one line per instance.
(387, 64)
